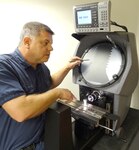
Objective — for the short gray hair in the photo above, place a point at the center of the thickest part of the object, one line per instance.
(34, 29)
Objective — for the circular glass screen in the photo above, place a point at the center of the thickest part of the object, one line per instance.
(102, 64)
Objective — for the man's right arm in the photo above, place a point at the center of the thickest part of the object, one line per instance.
(25, 107)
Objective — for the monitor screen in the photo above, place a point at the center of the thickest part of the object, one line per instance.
(84, 17)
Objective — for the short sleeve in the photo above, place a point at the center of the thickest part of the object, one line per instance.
(9, 85)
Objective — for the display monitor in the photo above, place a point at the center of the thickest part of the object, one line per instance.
(84, 17)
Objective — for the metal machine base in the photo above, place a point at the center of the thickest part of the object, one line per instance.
(59, 133)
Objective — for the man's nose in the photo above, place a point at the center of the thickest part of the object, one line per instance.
(50, 48)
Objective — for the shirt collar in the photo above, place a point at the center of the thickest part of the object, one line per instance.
(21, 59)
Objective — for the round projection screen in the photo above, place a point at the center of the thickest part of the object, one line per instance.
(102, 64)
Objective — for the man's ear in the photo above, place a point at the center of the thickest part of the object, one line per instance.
(27, 41)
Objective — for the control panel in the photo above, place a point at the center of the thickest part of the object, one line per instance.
(92, 17)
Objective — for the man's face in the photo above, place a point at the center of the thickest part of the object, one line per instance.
(40, 47)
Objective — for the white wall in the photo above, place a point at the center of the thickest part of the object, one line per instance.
(58, 14)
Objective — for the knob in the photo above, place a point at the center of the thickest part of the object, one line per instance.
(91, 98)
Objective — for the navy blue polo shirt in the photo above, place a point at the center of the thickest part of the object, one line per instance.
(18, 78)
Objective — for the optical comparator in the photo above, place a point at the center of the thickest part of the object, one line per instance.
(106, 77)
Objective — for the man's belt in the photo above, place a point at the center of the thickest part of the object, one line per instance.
(30, 147)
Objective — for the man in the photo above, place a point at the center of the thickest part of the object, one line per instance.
(27, 89)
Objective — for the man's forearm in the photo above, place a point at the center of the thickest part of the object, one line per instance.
(59, 76)
(26, 107)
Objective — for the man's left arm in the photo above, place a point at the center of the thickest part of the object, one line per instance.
(58, 77)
